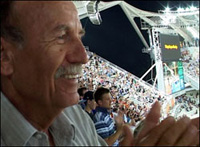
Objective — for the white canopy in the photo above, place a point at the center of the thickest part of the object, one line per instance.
(185, 23)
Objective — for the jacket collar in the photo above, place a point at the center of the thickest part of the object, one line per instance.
(102, 109)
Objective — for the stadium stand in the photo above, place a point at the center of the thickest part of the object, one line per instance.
(131, 94)
(134, 95)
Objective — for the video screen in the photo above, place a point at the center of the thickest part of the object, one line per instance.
(170, 47)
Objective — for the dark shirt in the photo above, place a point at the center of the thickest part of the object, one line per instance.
(90, 114)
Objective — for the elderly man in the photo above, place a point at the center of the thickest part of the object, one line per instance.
(41, 59)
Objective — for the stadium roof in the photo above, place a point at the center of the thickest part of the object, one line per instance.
(184, 22)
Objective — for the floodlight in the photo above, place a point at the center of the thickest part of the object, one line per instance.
(192, 8)
(180, 10)
(93, 12)
(187, 9)
(167, 9)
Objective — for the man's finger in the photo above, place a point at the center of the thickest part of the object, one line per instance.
(128, 137)
(195, 122)
(156, 133)
(171, 136)
(189, 137)
(151, 120)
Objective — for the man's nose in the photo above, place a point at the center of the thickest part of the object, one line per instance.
(78, 54)
(82, 56)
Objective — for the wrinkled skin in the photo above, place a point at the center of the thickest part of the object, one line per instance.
(52, 39)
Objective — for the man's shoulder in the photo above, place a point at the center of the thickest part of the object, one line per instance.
(74, 107)
(76, 113)
(100, 116)
(84, 124)
(74, 110)
(101, 113)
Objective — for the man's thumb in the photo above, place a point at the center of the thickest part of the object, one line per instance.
(128, 136)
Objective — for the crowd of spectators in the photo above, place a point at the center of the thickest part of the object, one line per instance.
(190, 58)
(186, 104)
(190, 100)
(132, 96)
(129, 95)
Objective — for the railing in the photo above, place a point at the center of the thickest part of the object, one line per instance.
(194, 82)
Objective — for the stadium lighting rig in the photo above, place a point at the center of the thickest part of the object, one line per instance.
(170, 15)
(179, 18)
(180, 10)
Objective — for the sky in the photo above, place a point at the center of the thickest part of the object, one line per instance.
(116, 40)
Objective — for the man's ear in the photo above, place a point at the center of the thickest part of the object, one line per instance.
(6, 58)
(100, 102)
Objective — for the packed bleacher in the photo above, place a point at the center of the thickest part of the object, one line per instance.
(129, 94)
(123, 85)
(190, 58)
(186, 104)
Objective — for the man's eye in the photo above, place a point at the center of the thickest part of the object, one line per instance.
(62, 39)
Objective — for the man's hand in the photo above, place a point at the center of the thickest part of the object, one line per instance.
(195, 122)
(151, 120)
(119, 120)
(169, 132)
(172, 133)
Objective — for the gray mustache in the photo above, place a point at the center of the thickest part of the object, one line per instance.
(72, 69)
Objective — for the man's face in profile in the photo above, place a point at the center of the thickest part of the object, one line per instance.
(46, 69)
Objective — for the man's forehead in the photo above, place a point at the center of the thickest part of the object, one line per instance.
(107, 95)
(41, 5)
(34, 12)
